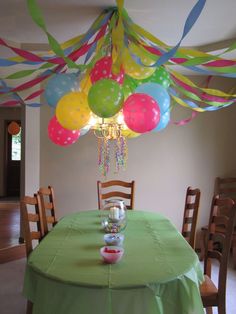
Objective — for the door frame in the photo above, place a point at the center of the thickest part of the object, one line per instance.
(6, 153)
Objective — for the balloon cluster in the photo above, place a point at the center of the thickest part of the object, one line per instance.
(138, 91)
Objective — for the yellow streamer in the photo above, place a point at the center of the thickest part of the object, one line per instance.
(210, 91)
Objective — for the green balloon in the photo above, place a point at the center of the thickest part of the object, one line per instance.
(160, 76)
(105, 98)
(129, 85)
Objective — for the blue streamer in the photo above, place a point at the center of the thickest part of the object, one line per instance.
(90, 52)
(191, 19)
(193, 105)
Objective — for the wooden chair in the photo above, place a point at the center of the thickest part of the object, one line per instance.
(107, 191)
(191, 207)
(224, 187)
(211, 295)
(47, 198)
(32, 227)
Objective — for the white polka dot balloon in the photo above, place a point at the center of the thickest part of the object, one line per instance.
(103, 69)
(61, 136)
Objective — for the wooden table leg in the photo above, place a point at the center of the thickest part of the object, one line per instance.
(202, 244)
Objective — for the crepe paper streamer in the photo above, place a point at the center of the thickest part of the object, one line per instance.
(74, 56)
(38, 19)
(18, 100)
(201, 96)
(192, 105)
(10, 103)
(55, 60)
(188, 82)
(66, 46)
(185, 121)
(189, 53)
(34, 95)
(190, 21)
(203, 61)
(33, 82)
(192, 96)
(118, 38)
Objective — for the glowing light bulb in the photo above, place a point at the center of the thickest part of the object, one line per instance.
(92, 121)
(120, 118)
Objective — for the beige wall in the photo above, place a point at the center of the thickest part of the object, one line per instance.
(32, 150)
(5, 114)
(162, 164)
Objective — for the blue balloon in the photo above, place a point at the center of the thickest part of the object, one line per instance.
(157, 92)
(164, 120)
(59, 85)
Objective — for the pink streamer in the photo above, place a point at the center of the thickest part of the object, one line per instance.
(35, 94)
(185, 121)
(10, 103)
(220, 63)
(203, 95)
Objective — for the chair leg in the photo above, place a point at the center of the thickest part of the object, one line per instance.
(202, 244)
(221, 308)
(209, 310)
(234, 251)
(29, 308)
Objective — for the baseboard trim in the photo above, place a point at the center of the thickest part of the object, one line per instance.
(12, 253)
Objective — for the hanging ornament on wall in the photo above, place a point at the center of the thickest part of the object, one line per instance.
(13, 128)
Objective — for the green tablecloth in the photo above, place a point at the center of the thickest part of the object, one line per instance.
(159, 272)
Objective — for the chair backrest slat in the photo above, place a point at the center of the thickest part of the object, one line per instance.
(32, 221)
(116, 187)
(47, 198)
(191, 207)
(36, 235)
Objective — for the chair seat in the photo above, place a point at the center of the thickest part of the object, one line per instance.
(209, 292)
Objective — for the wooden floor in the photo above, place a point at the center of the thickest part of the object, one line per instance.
(10, 248)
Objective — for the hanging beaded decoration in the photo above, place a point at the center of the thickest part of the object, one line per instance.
(121, 153)
(104, 155)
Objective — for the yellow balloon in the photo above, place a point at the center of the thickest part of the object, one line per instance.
(72, 111)
(129, 133)
(85, 84)
(134, 69)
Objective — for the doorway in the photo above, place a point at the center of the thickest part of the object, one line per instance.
(12, 160)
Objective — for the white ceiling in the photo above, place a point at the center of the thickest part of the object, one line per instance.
(163, 18)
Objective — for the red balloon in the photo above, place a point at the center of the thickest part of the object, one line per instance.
(141, 113)
(60, 135)
(103, 69)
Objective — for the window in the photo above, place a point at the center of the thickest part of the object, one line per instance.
(16, 147)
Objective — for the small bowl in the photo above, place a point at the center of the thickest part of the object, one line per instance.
(111, 254)
(114, 239)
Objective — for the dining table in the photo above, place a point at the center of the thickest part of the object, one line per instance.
(159, 272)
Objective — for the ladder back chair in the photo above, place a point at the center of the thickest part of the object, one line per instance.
(224, 187)
(47, 198)
(214, 296)
(31, 213)
(191, 207)
(118, 189)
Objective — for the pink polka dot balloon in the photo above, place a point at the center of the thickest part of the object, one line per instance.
(141, 113)
(103, 69)
(60, 135)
